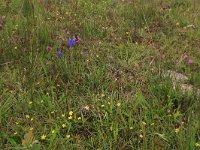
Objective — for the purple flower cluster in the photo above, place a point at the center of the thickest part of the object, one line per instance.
(69, 42)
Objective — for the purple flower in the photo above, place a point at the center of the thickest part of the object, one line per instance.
(190, 61)
(71, 42)
(59, 54)
(185, 56)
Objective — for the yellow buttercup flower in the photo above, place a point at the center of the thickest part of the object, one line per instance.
(31, 129)
(15, 133)
(79, 118)
(53, 131)
(63, 115)
(131, 128)
(68, 136)
(27, 116)
(43, 137)
(63, 125)
(143, 123)
(102, 105)
(197, 144)
(141, 136)
(177, 130)
(32, 119)
(30, 102)
(118, 104)
(87, 107)
(71, 113)
(70, 117)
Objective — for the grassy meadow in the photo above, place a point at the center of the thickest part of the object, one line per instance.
(91, 74)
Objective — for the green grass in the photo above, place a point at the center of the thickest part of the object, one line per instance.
(112, 79)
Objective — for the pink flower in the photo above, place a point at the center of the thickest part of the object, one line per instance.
(68, 33)
(185, 56)
(190, 61)
(48, 48)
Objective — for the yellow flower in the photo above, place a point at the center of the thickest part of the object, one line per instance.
(27, 116)
(197, 144)
(32, 119)
(102, 95)
(143, 123)
(152, 124)
(87, 107)
(127, 33)
(52, 112)
(79, 118)
(31, 129)
(53, 131)
(16, 123)
(68, 136)
(15, 47)
(43, 137)
(63, 115)
(30, 102)
(102, 105)
(71, 113)
(141, 136)
(131, 128)
(63, 125)
(118, 104)
(41, 101)
(70, 117)
(177, 130)
(108, 103)
(15, 133)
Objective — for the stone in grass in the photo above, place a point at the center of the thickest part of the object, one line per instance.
(175, 76)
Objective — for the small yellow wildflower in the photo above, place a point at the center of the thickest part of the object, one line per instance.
(70, 117)
(63, 115)
(102, 105)
(118, 104)
(87, 107)
(131, 128)
(108, 103)
(27, 116)
(197, 144)
(31, 129)
(127, 33)
(41, 101)
(15, 133)
(43, 137)
(79, 118)
(71, 113)
(30, 102)
(141, 136)
(143, 123)
(32, 119)
(152, 124)
(16, 123)
(53, 131)
(52, 112)
(102, 95)
(63, 125)
(177, 130)
(68, 136)
(15, 47)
